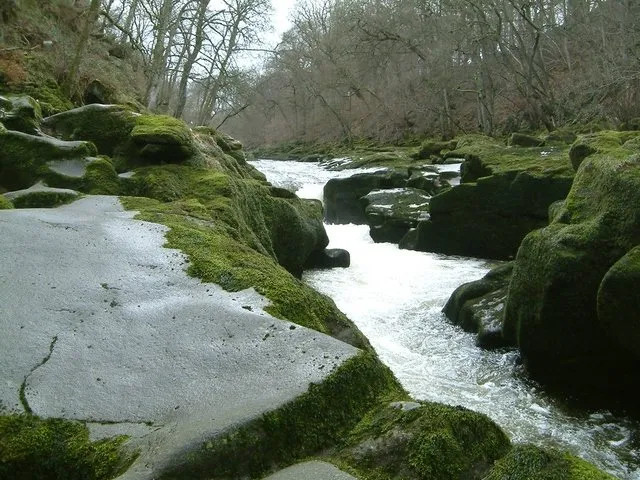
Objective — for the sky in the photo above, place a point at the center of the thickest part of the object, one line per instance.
(280, 20)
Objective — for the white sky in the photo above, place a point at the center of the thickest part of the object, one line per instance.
(280, 20)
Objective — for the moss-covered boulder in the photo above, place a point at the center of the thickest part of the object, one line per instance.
(599, 142)
(342, 195)
(132, 139)
(5, 203)
(524, 140)
(41, 196)
(428, 179)
(24, 157)
(108, 127)
(479, 306)
(34, 448)
(21, 113)
(489, 218)
(619, 301)
(528, 462)
(552, 308)
(424, 441)
(392, 213)
(431, 148)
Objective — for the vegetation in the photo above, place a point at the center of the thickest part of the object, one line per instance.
(37, 449)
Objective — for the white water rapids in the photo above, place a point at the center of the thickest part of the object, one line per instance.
(396, 296)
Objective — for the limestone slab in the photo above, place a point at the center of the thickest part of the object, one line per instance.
(102, 324)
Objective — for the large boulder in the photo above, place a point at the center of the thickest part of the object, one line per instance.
(329, 258)
(598, 142)
(479, 306)
(489, 218)
(619, 301)
(552, 311)
(20, 113)
(132, 139)
(392, 213)
(342, 195)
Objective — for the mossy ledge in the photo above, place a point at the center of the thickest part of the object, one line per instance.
(32, 448)
(319, 419)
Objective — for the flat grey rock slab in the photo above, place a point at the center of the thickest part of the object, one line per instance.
(38, 188)
(311, 471)
(75, 168)
(101, 323)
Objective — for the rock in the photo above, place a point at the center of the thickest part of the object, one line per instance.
(522, 140)
(20, 113)
(41, 196)
(5, 203)
(329, 258)
(597, 142)
(560, 136)
(430, 148)
(433, 441)
(489, 218)
(24, 158)
(392, 213)
(313, 470)
(410, 240)
(342, 195)
(534, 463)
(428, 181)
(551, 311)
(479, 306)
(132, 139)
(116, 298)
(619, 302)
(97, 92)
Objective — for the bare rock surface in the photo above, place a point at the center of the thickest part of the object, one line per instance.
(102, 324)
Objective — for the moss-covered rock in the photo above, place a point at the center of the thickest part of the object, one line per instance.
(523, 140)
(342, 195)
(560, 136)
(239, 236)
(600, 142)
(37, 449)
(424, 441)
(40, 196)
(108, 127)
(528, 462)
(23, 157)
(551, 311)
(21, 113)
(392, 213)
(5, 203)
(619, 301)
(489, 218)
(318, 419)
(431, 148)
(479, 306)
(132, 139)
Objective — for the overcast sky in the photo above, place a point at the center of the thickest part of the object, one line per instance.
(280, 20)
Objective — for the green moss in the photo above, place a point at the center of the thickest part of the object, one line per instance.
(485, 156)
(424, 441)
(36, 449)
(44, 199)
(49, 95)
(161, 129)
(23, 115)
(101, 178)
(318, 419)
(23, 157)
(527, 462)
(238, 235)
(614, 143)
(5, 203)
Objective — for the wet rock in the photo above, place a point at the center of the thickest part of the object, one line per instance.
(552, 311)
(392, 213)
(342, 195)
(489, 218)
(313, 470)
(478, 306)
(329, 258)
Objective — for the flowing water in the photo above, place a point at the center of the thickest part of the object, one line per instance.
(396, 296)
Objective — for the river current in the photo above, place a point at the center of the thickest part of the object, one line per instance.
(395, 297)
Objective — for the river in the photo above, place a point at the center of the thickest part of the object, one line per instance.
(396, 296)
